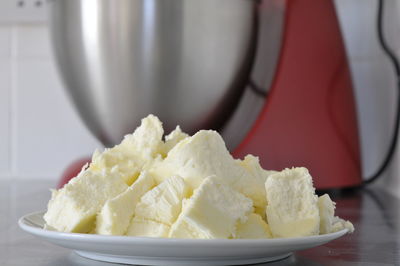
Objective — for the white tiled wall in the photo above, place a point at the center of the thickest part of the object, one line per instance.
(5, 88)
(374, 80)
(40, 133)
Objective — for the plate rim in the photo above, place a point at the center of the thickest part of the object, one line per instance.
(95, 238)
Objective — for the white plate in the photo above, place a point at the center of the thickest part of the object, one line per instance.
(168, 251)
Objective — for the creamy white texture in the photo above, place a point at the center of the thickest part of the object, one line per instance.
(205, 154)
(74, 207)
(254, 227)
(292, 209)
(116, 214)
(135, 153)
(213, 211)
(188, 187)
(163, 203)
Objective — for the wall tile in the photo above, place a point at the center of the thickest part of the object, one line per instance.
(374, 80)
(32, 41)
(392, 182)
(357, 21)
(392, 24)
(375, 91)
(49, 133)
(5, 88)
(5, 42)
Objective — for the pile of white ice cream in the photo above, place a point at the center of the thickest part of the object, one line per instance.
(188, 187)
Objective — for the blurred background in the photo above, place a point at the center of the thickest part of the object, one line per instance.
(41, 132)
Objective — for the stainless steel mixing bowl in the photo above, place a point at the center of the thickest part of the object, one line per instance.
(186, 61)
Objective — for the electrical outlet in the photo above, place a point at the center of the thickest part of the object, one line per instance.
(23, 11)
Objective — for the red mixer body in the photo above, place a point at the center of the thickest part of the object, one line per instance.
(309, 117)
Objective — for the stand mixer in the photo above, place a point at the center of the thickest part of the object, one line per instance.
(271, 76)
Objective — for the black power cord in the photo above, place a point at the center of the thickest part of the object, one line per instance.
(396, 66)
